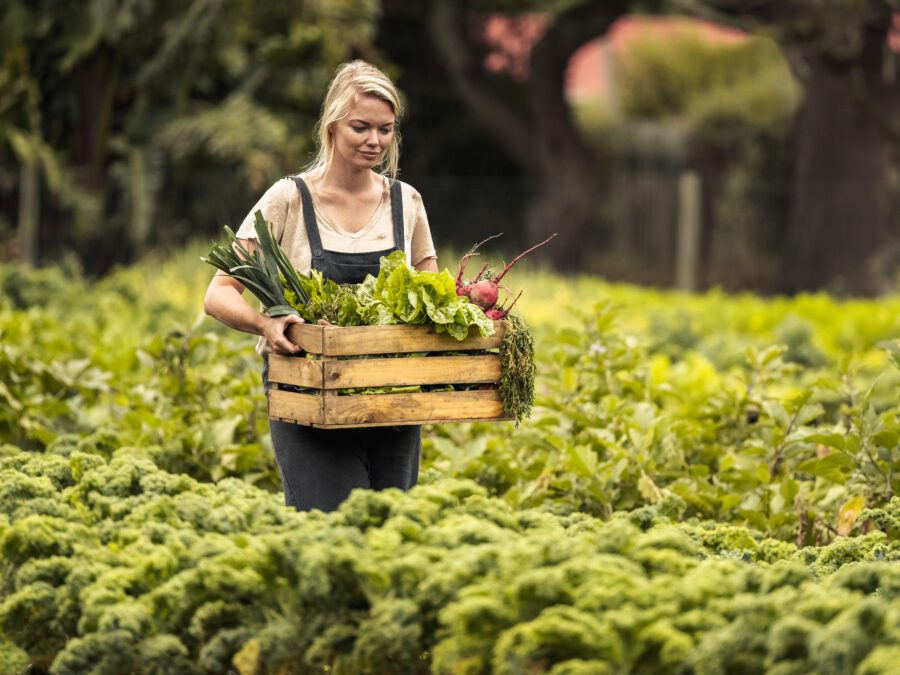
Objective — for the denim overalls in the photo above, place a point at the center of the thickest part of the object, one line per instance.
(319, 467)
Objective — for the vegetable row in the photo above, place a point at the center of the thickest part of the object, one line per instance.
(117, 566)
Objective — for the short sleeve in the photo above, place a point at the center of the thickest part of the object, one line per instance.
(421, 246)
(274, 207)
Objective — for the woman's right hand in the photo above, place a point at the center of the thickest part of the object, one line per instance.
(274, 331)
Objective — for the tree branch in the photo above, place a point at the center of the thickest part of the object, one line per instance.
(509, 128)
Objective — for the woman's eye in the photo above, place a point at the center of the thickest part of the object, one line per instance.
(358, 129)
(386, 131)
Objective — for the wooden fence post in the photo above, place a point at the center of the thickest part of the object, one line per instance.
(688, 254)
(29, 210)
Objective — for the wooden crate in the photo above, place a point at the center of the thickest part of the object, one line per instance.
(324, 407)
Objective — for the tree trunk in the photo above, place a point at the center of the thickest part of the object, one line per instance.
(29, 210)
(564, 201)
(568, 175)
(841, 203)
(97, 102)
(543, 138)
(101, 242)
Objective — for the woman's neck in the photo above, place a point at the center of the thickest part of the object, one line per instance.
(343, 178)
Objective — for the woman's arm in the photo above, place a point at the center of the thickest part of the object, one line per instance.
(427, 265)
(225, 301)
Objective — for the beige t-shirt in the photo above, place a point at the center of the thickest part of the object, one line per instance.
(281, 206)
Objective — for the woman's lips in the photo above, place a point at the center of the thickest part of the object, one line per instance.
(369, 155)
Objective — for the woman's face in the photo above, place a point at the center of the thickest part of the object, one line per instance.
(363, 136)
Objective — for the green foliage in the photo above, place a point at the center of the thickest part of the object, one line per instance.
(187, 577)
(400, 294)
(886, 518)
(682, 398)
(635, 402)
(132, 538)
(265, 270)
(686, 75)
(723, 108)
(206, 97)
(517, 369)
(132, 377)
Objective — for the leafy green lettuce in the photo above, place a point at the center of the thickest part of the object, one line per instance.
(400, 294)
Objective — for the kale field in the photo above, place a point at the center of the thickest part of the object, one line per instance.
(706, 485)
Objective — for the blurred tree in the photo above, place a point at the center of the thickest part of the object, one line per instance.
(723, 108)
(469, 183)
(530, 116)
(844, 198)
(133, 108)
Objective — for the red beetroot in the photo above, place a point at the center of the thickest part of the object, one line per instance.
(463, 288)
(499, 312)
(484, 291)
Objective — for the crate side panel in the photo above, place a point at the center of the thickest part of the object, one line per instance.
(308, 336)
(294, 407)
(296, 370)
(400, 423)
(399, 339)
(390, 372)
(424, 408)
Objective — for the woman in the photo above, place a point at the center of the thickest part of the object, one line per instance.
(339, 217)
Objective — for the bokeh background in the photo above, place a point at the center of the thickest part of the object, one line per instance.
(692, 144)
(709, 480)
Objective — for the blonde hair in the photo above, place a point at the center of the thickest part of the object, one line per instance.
(351, 80)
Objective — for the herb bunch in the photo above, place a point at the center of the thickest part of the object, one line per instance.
(517, 368)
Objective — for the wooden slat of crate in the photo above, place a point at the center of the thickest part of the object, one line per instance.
(296, 370)
(290, 406)
(384, 372)
(351, 340)
(335, 412)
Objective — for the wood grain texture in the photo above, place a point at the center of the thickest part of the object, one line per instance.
(289, 406)
(297, 370)
(413, 408)
(307, 336)
(387, 409)
(391, 372)
(326, 409)
(351, 340)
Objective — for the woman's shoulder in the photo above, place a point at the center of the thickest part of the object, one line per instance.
(288, 187)
(409, 191)
(281, 189)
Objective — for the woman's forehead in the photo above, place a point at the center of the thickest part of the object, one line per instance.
(371, 109)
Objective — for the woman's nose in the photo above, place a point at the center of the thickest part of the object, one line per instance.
(372, 138)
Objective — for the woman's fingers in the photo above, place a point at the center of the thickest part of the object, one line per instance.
(275, 334)
(286, 321)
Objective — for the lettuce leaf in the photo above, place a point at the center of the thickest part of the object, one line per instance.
(398, 295)
(415, 297)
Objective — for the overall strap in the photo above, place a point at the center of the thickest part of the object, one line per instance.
(309, 219)
(397, 216)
